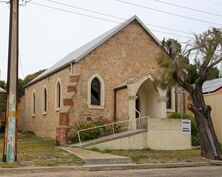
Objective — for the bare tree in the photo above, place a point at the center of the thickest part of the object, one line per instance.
(206, 50)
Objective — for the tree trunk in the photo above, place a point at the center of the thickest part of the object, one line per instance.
(210, 147)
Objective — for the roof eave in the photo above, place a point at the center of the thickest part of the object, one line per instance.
(118, 28)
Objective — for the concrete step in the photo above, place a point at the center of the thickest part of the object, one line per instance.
(97, 158)
(108, 138)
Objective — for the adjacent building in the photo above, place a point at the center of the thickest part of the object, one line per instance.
(213, 96)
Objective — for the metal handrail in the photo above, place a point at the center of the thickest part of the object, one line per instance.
(106, 125)
(139, 115)
(141, 118)
(138, 112)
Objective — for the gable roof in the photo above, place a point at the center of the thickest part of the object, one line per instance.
(212, 85)
(81, 52)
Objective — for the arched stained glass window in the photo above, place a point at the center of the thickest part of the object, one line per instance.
(95, 92)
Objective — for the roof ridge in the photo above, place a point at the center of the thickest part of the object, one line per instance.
(84, 50)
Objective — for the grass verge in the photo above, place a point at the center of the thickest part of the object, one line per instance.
(153, 156)
(35, 151)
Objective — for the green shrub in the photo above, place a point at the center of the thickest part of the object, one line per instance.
(93, 133)
(194, 131)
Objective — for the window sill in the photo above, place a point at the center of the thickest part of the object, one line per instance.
(57, 109)
(96, 107)
(44, 113)
(33, 116)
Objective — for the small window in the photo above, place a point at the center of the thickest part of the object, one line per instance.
(95, 91)
(45, 100)
(168, 99)
(33, 103)
(58, 95)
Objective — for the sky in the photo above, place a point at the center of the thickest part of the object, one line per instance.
(47, 35)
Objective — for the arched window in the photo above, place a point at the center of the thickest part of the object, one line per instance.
(168, 99)
(58, 95)
(45, 100)
(33, 103)
(95, 92)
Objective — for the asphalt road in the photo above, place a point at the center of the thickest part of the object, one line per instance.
(174, 172)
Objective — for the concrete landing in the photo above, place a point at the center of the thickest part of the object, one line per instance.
(97, 158)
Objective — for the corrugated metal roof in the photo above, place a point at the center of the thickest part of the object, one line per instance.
(212, 85)
(80, 53)
(2, 90)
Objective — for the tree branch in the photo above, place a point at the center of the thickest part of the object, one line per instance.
(215, 63)
(183, 84)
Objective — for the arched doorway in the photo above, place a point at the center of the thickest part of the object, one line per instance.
(147, 101)
(151, 101)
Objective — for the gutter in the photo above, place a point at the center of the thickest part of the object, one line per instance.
(49, 74)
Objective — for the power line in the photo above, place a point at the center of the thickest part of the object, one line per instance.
(99, 18)
(69, 11)
(108, 15)
(80, 8)
(188, 8)
(169, 13)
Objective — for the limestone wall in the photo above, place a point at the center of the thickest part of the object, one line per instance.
(128, 54)
(162, 134)
(166, 134)
(137, 141)
(44, 125)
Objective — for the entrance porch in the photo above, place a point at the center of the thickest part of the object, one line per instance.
(145, 99)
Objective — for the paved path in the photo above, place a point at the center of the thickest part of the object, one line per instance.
(213, 171)
(93, 158)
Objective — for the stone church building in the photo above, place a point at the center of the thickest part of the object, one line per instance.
(112, 76)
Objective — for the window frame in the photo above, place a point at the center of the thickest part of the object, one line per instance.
(102, 92)
(169, 105)
(57, 108)
(33, 106)
(44, 100)
(172, 109)
(96, 85)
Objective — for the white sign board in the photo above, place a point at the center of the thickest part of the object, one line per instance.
(186, 126)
